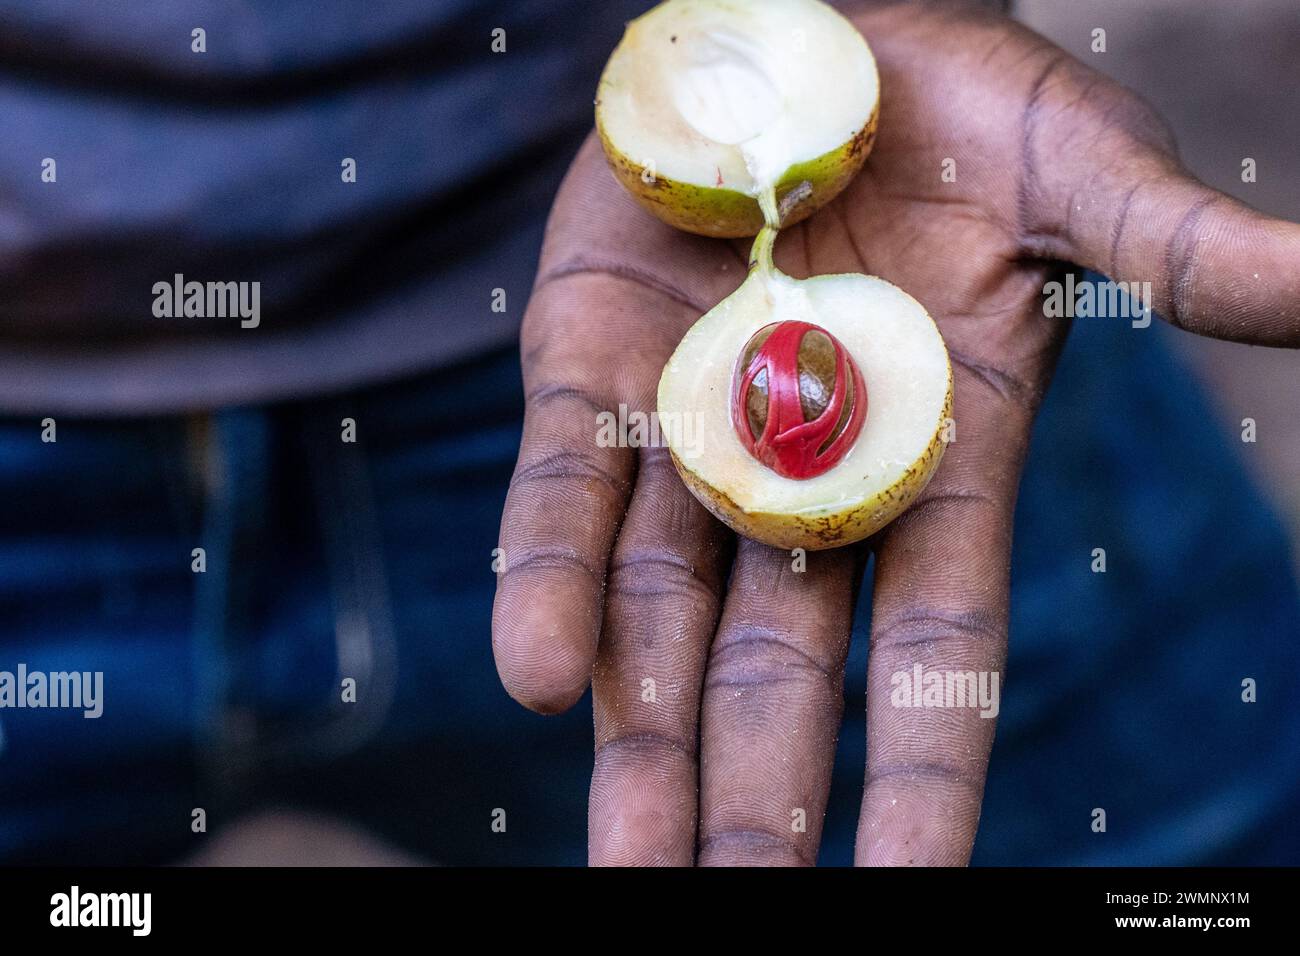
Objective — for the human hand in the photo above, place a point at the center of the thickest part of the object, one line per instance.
(614, 573)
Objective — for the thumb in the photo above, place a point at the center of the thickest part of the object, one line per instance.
(1123, 206)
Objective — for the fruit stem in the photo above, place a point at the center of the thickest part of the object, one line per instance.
(760, 255)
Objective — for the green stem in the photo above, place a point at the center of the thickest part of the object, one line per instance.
(760, 255)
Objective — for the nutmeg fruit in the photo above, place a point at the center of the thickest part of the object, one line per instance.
(892, 343)
(705, 103)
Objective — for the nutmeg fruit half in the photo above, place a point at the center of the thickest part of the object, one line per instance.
(719, 417)
(707, 103)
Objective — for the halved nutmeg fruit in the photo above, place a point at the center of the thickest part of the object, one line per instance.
(774, 381)
(707, 103)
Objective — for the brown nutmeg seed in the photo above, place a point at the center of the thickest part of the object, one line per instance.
(803, 376)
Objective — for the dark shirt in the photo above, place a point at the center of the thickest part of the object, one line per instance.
(225, 166)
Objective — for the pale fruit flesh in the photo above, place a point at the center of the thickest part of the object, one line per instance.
(705, 103)
(909, 388)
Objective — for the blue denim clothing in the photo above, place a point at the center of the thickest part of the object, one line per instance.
(373, 560)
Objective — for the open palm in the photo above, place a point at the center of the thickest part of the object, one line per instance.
(717, 669)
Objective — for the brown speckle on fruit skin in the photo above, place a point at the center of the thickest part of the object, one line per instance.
(863, 140)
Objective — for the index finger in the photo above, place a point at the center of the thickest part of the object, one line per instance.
(940, 614)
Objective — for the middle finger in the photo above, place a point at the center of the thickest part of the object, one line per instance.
(773, 698)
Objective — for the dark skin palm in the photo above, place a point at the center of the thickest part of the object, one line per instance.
(615, 575)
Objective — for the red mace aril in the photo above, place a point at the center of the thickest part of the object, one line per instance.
(798, 400)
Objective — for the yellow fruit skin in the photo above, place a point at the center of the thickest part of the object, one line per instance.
(727, 214)
(833, 529)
